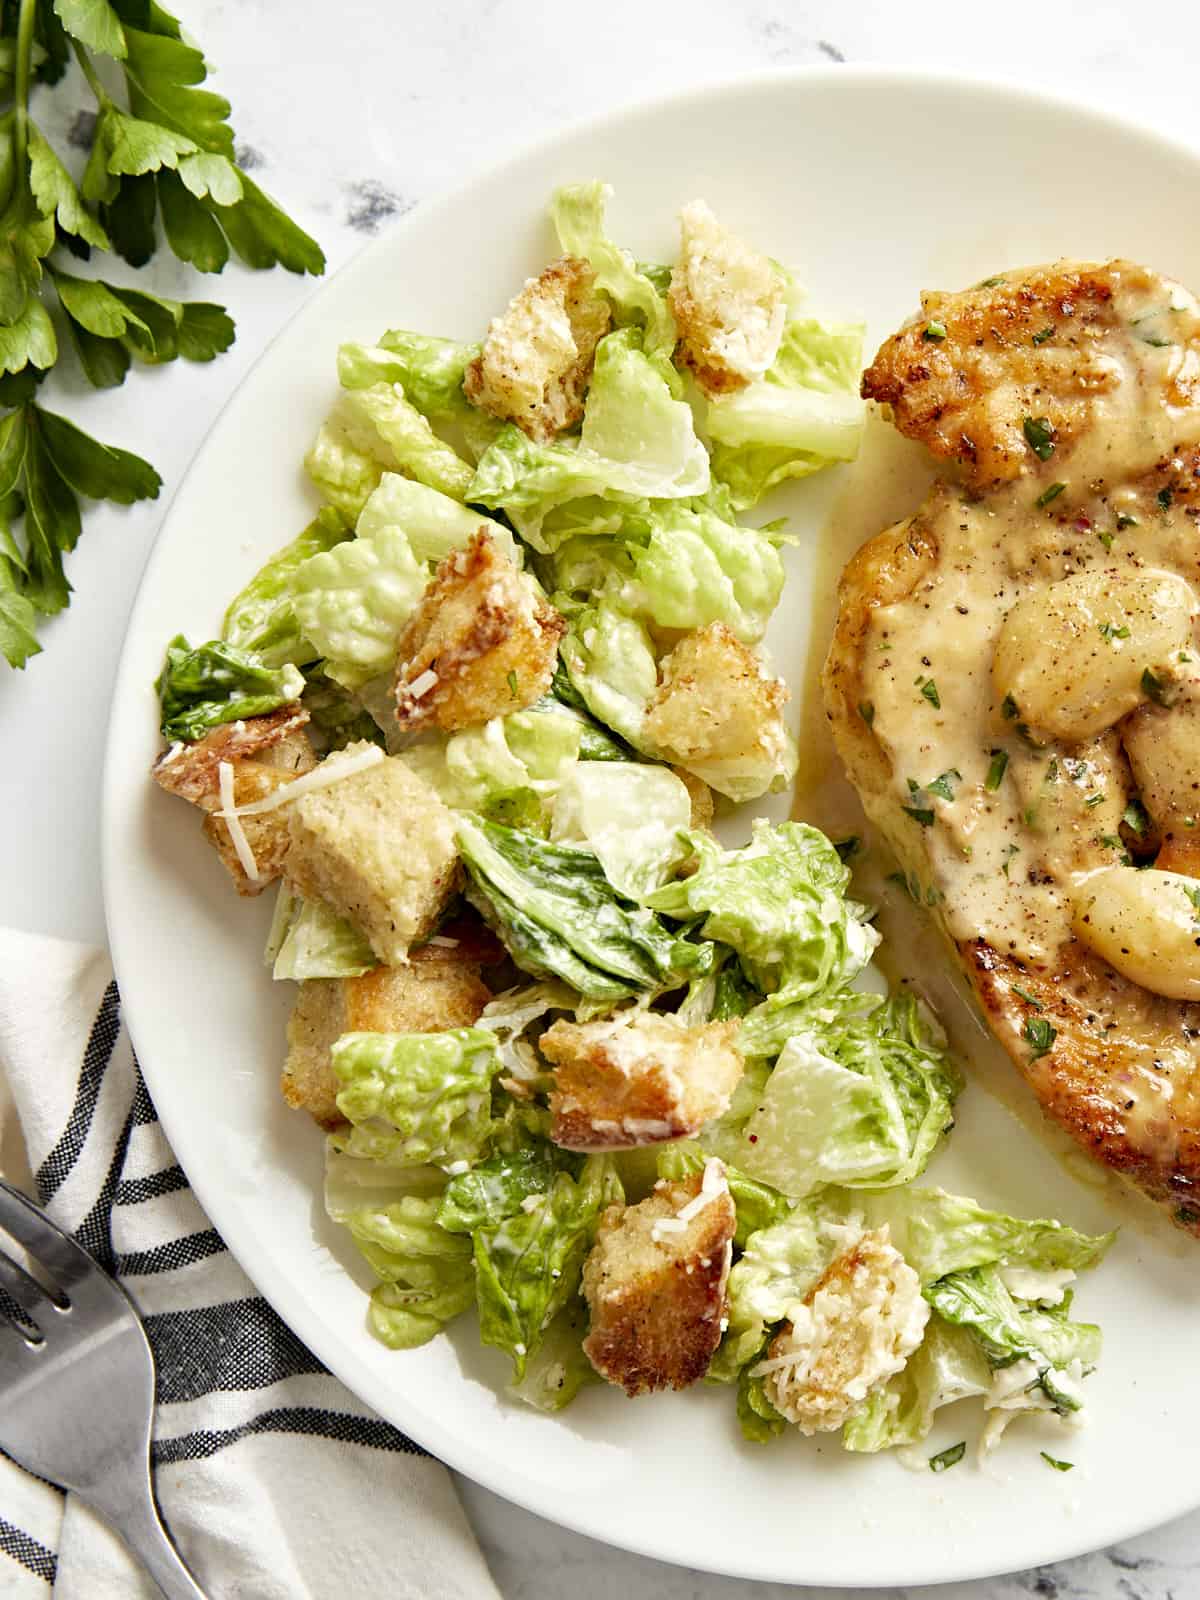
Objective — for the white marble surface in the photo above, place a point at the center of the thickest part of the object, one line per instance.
(352, 114)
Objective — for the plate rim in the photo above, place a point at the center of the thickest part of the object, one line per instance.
(273, 1282)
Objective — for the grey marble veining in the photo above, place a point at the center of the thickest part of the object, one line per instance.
(354, 113)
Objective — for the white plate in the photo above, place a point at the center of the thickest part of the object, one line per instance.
(873, 184)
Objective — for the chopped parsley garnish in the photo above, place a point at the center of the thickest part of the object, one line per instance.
(1074, 768)
(1110, 631)
(1124, 522)
(942, 784)
(1039, 435)
(1046, 333)
(1052, 493)
(911, 886)
(933, 897)
(866, 711)
(946, 1459)
(1154, 687)
(929, 690)
(1094, 800)
(934, 330)
(996, 771)
(1027, 997)
(1156, 340)
(1059, 1466)
(1008, 707)
(512, 684)
(1164, 498)
(990, 283)
(1135, 818)
(1105, 537)
(1052, 770)
(1194, 896)
(1039, 1035)
(1110, 841)
(1010, 850)
(920, 814)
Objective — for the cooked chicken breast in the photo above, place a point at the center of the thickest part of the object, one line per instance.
(1013, 680)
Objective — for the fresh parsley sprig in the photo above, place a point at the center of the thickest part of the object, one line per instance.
(161, 165)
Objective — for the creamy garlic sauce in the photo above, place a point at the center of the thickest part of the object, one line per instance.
(1010, 830)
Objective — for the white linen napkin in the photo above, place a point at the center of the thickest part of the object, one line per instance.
(277, 1484)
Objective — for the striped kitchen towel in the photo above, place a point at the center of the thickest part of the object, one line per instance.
(276, 1482)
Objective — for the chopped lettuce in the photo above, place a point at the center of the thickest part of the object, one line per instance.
(757, 1417)
(637, 441)
(940, 1233)
(343, 474)
(497, 1188)
(528, 1265)
(352, 601)
(757, 1205)
(380, 422)
(201, 688)
(611, 665)
(802, 415)
(515, 1016)
(308, 940)
(337, 716)
(697, 568)
(430, 371)
(261, 617)
(559, 915)
(947, 1365)
(557, 1368)
(858, 1104)
(507, 766)
(577, 211)
(427, 1274)
(780, 902)
(1057, 1350)
(417, 1097)
(433, 523)
(632, 816)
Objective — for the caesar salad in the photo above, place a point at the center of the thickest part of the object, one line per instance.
(634, 1098)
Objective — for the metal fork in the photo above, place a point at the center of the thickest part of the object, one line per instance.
(77, 1385)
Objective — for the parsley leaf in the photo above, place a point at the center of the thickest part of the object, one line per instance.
(946, 1459)
(1135, 818)
(1154, 688)
(997, 769)
(866, 711)
(929, 690)
(1059, 1466)
(1047, 495)
(920, 814)
(1027, 997)
(94, 23)
(1110, 631)
(1040, 1036)
(1039, 435)
(942, 785)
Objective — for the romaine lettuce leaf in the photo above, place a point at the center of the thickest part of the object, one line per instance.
(697, 568)
(201, 688)
(497, 1188)
(947, 1365)
(632, 816)
(757, 1417)
(940, 1233)
(780, 902)
(337, 716)
(308, 940)
(857, 1104)
(343, 474)
(1009, 1331)
(528, 1266)
(637, 441)
(433, 523)
(427, 1274)
(557, 1368)
(804, 414)
(381, 423)
(352, 601)
(492, 767)
(611, 665)
(558, 915)
(429, 370)
(516, 1016)
(577, 212)
(417, 1097)
(261, 618)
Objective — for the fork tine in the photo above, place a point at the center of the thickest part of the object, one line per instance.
(63, 1259)
(23, 1289)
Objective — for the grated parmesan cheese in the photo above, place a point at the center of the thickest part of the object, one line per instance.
(422, 685)
(711, 1185)
(233, 822)
(443, 943)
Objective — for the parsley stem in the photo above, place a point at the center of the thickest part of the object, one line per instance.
(89, 72)
(25, 21)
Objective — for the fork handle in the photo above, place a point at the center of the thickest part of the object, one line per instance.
(129, 1506)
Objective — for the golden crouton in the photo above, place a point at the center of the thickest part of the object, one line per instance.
(537, 358)
(378, 847)
(428, 996)
(481, 643)
(861, 1322)
(265, 753)
(728, 302)
(715, 704)
(619, 1084)
(192, 770)
(700, 795)
(655, 1284)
